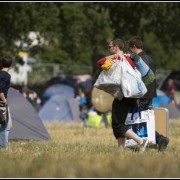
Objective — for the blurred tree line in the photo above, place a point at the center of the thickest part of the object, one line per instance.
(79, 32)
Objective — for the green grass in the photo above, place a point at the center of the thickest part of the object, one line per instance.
(77, 152)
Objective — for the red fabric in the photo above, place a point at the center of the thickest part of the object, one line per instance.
(101, 61)
(130, 61)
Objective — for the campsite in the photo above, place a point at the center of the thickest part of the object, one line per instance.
(67, 149)
(62, 64)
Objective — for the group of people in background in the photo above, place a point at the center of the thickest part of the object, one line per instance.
(120, 108)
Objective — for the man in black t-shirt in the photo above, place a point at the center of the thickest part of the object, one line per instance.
(135, 45)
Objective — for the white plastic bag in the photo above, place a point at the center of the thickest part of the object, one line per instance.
(121, 80)
(143, 124)
(110, 80)
(131, 81)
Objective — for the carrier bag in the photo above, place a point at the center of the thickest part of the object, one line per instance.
(143, 124)
(3, 113)
(110, 80)
(121, 80)
(131, 81)
(93, 119)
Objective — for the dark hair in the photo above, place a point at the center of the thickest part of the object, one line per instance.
(119, 43)
(5, 62)
(135, 41)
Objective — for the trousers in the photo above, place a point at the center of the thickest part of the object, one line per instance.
(120, 110)
(4, 132)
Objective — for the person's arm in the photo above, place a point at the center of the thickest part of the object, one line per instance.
(2, 97)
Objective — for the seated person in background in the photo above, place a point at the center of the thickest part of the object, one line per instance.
(171, 90)
(31, 95)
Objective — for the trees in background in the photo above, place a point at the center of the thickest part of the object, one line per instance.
(74, 32)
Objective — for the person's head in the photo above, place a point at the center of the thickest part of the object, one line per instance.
(135, 44)
(170, 81)
(116, 45)
(5, 62)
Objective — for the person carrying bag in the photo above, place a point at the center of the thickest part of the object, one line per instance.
(115, 76)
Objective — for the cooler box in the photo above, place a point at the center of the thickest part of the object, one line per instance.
(162, 120)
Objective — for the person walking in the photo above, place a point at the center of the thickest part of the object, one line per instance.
(135, 46)
(5, 78)
(121, 108)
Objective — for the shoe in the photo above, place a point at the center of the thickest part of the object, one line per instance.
(143, 146)
(162, 143)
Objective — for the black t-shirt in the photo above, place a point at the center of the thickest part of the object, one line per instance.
(5, 79)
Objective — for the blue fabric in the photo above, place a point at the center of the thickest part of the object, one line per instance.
(141, 66)
(160, 99)
(134, 111)
(82, 100)
(4, 82)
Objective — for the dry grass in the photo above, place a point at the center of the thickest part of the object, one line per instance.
(77, 152)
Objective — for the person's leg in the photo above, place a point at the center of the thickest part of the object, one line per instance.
(104, 118)
(119, 114)
(3, 136)
(121, 142)
(161, 141)
(142, 143)
(4, 132)
(120, 110)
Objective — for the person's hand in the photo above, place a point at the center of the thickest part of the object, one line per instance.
(134, 57)
(127, 54)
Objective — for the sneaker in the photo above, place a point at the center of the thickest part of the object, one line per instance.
(142, 146)
(162, 143)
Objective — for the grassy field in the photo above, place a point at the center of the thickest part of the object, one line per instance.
(77, 152)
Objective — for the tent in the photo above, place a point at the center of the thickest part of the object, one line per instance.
(164, 101)
(60, 79)
(26, 122)
(60, 107)
(57, 89)
(174, 112)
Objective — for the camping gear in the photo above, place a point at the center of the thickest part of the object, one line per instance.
(26, 123)
(107, 64)
(143, 124)
(162, 120)
(57, 89)
(93, 119)
(101, 100)
(121, 80)
(131, 82)
(147, 74)
(109, 81)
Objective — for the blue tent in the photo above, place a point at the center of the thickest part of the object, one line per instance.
(164, 101)
(57, 89)
(60, 107)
